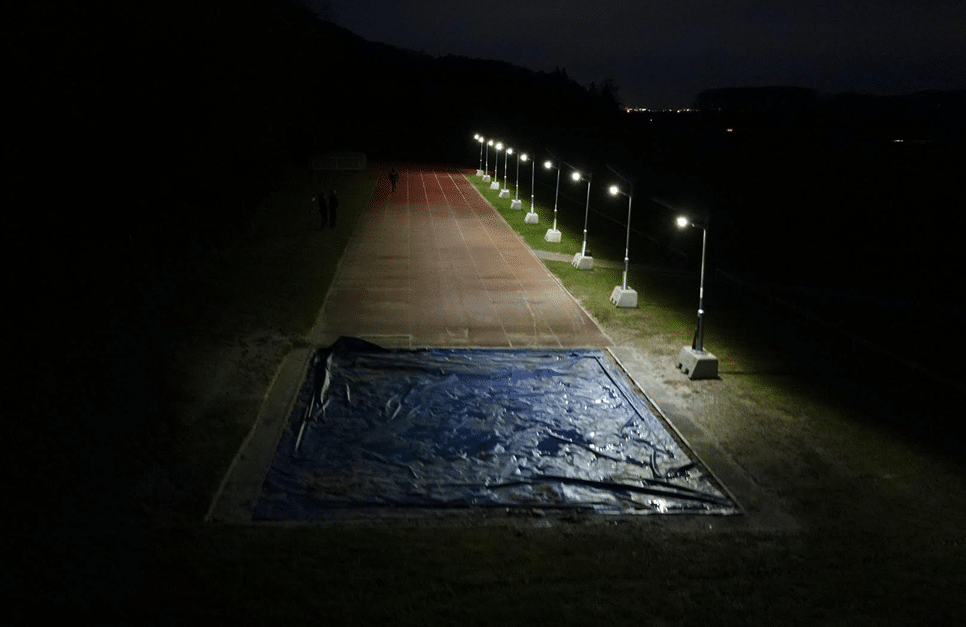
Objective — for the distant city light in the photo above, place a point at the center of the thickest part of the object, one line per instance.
(647, 110)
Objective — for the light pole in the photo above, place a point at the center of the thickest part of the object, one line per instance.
(584, 260)
(622, 296)
(486, 172)
(532, 215)
(553, 235)
(694, 361)
(505, 192)
(515, 203)
(481, 141)
(496, 167)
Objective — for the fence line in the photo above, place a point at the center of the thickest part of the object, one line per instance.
(854, 339)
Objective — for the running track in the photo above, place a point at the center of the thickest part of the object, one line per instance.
(433, 264)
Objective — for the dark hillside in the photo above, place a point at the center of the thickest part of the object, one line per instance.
(178, 116)
(145, 135)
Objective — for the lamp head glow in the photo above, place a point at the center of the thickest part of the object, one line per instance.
(480, 139)
(547, 164)
(575, 176)
(509, 151)
(476, 136)
(489, 143)
(499, 145)
(524, 156)
(614, 190)
(683, 222)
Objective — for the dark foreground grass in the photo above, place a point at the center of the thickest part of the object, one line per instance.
(863, 556)
(494, 575)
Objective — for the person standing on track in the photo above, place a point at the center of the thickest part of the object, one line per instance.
(394, 178)
(333, 207)
(323, 208)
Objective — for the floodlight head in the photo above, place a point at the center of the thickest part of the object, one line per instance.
(547, 164)
(575, 176)
(476, 136)
(489, 143)
(683, 222)
(499, 145)
(524, 156)
(480, 139)
(509, 151)
(614, 190)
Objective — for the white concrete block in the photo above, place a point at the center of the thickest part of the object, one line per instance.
(623, 298)
(504, 193)
(583, 262)
(553, 236)
(532, 218)
(516, 203)
(486, 178)
(697, 364)
(495, 185)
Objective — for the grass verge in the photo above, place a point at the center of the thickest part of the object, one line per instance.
(664, 307)
(532, 234)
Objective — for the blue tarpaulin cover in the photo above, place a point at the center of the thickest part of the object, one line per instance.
(377, 428)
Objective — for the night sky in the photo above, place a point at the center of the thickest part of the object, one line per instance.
(661, 53)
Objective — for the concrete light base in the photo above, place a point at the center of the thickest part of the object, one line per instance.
(583, 262)
(697, 364)
(504, 193)
(532, 218)
(486, 178)
(479, 172)
(495, 185)
(516, 203)
(623, 298)
(552, 236)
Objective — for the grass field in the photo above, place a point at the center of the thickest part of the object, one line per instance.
(864, 553)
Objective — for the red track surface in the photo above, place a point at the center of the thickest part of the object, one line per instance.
(433, 264)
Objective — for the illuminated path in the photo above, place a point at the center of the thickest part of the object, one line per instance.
(433, 264)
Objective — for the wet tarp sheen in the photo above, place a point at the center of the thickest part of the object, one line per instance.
(376, 428)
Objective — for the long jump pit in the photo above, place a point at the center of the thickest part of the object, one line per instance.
(370, 426)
